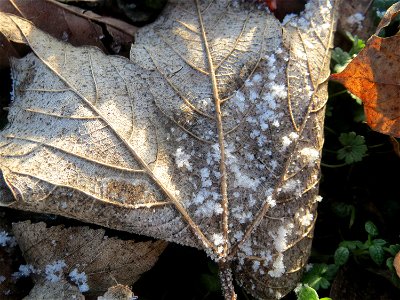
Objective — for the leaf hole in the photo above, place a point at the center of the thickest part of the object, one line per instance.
(282, 8)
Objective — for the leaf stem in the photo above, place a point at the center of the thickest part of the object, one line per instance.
(222, 166)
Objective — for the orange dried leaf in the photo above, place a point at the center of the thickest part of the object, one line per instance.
(396, 263)
(373, 77)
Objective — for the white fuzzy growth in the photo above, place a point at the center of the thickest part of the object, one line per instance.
(182, 159)
(80, 279)
(278, 267)
(2, 279)
(54, 271)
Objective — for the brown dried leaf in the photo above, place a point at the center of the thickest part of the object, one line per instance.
(69, 23)
(117, 292)
(373, 76)
(209, 137)
(46, 290)
(104, 260)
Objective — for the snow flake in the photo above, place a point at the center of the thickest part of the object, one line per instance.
(54, 271)
(80, 279)
(278, 267)
(182, 159)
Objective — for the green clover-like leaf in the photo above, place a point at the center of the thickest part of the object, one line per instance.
(354, 148)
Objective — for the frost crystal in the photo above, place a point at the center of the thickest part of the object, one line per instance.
(218, 239)
(182, 159)
(24, 271)
(54, 271)
(79, 279)
(279, 267)
(6, 240)
(310, 155)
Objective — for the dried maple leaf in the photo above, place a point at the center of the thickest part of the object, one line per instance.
(210, 136)
(101, 260)
(373, 76)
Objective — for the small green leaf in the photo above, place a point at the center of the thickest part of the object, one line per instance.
(371, 228)
(318, 276)
(354, 148)
(379, 242)
(211, 282)
(358, 44)
(351, 245)
(377, 254)
(306, 292)
(389, 264)
(393, 249)
(341, 256)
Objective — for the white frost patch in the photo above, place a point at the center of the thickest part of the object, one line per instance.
(256, 265)
(209, 208)
(310, 155)
(54, 271)
(24, 271)
(278, 267)
(317, 198)
(6, 240)
(241, 214)
(279, 90)
(239, 99)
(356, 19)
(271, 201)
(292, 186)
(218, 239)
(80, 279)
(304, 217)
(280, 241)
(182, 159)
(2, 279)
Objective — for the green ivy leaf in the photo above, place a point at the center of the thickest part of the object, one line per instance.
(377, 254)
(306, 292)
(341, 256)
(371, 228)
(354, 148)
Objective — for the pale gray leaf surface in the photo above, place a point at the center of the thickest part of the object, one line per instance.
(209, 137)
(103, 260)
